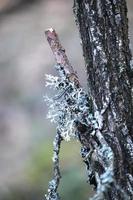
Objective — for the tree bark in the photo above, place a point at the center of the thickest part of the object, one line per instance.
(103, 27)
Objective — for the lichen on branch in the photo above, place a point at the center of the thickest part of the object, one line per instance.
(72, 111)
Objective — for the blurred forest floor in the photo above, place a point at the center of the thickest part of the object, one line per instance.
(25, 133)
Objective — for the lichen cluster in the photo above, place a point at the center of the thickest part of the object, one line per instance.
(70, 105)
(71, 110)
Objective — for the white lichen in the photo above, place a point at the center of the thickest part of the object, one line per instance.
(68, 106)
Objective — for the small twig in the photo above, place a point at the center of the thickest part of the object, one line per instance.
(60, 55)
(58, 50)
(54, 183)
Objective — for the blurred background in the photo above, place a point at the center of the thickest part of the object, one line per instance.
(25, 134)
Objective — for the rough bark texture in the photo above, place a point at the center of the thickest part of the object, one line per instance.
(103, 28)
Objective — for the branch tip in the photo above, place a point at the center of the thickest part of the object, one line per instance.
(58, 50)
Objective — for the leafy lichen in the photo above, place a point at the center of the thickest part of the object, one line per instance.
(69, 106)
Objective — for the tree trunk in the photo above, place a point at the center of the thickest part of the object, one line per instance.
(103, 28)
